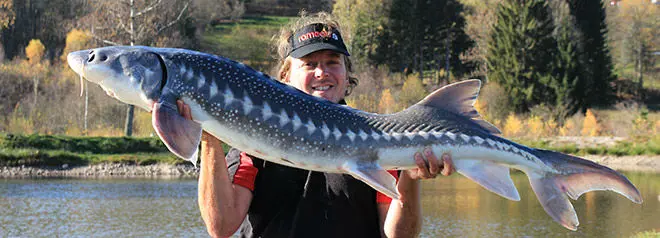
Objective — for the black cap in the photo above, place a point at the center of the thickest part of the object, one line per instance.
(315, 37)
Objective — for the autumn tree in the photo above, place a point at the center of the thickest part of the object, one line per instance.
(412, 91)
(386, 103)
(76, 40)
(35, 51)
(635, 29)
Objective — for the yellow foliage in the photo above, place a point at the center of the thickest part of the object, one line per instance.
(512, 126)
(365, 102)
(550, 127)
(535, 126)
(656, 127)
(567, 128)
(35, 51)
(387, 103)
(590, 126)
(412, 91)
(481, 106)
(76, 40)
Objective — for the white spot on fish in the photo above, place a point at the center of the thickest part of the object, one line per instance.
(465, 137)
(310, 126)
(182, 70)
(350, 134)
(515, 150)
(201, 81)
(375, 135)
(363, 135)
(247, 104)
(396, 136)
(213, 89)
(296, 122)
(424, 134)
(438, 135)
(386, 136)
(409, 135)
(284, 118)
(478, 139)
(229, 96)
(326, 131)
(491, 142)
(190, 74)
(337, 133)
(451, 136)
(266, 112)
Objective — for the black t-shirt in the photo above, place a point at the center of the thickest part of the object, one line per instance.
(291, 202)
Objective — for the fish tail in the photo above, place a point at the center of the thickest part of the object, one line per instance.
(575, 176)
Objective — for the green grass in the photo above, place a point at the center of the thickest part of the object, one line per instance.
(247, 40)
(48, 150)
(635, 146)
(647, 234)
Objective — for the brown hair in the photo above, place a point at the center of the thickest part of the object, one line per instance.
(283, 47)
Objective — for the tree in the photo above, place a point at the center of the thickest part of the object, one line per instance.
(566, 69)
(412, 91)
(387, 103)
(425, 35)
(521, 51)
(35, 51)
(635, 28)
(363, 25)
(6, 13)
(593, 53)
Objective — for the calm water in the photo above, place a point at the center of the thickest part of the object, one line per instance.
(453, 206)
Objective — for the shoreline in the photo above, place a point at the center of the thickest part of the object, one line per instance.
(117, 170)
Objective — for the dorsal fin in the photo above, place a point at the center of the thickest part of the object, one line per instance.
(459, 98)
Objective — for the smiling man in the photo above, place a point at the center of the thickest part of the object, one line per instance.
(265, 199)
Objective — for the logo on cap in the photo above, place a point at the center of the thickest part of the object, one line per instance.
(315, 34)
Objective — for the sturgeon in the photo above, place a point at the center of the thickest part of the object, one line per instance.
(279, 123)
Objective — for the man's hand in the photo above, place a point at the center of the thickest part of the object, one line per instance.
(431, 169)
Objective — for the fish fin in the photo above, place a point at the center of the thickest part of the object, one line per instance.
(555, 202)
(373, 175)
(180, 135)
(459, 98)
(493, 177)
(574, 177)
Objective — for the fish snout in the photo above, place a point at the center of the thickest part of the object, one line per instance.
(77, 60)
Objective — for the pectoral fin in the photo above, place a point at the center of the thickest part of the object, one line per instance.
(494, 177)
(180, 135)
(375, 176)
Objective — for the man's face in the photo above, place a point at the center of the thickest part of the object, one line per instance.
(322, 74)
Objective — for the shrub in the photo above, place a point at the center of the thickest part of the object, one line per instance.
(590, 126)
(35, 51)
(512, 126)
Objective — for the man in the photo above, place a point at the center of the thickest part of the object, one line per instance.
(281, 201)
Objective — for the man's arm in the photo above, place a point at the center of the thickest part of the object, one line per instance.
(403, 218)
(222, 204)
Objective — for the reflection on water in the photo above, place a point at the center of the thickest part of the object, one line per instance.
(452, 206)
(456, 206)
(99, 208)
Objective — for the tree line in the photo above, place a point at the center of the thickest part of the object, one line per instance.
(553, 55)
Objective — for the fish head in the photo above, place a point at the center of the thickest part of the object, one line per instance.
(133, 75)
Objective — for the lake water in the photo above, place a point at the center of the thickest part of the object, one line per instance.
(453, 206)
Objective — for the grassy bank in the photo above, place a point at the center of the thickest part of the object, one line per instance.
(48, 150)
